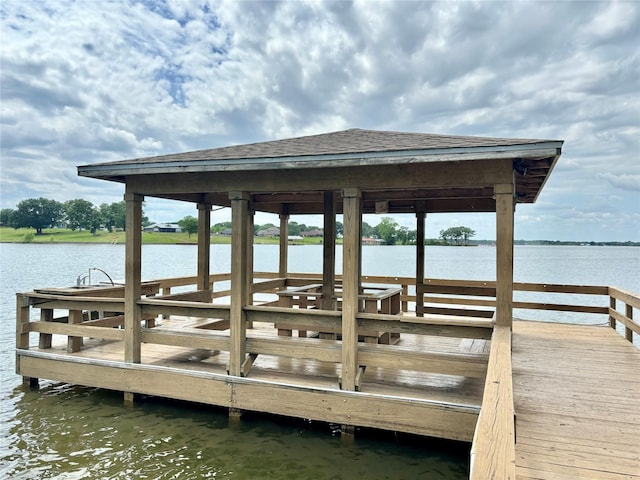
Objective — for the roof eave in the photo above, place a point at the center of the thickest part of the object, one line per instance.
(117, 171)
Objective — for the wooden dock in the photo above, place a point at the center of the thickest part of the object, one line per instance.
(573, 390)
(576, 394)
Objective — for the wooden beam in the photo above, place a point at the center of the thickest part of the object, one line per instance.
(504, 253)
(132, 286)
(239, 280)
(441, 174)
(329, 252)
(204, 245)
(351, 245)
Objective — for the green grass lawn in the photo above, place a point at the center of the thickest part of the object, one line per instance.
(61, 235)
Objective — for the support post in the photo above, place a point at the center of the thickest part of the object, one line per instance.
(420, 221)
(204, 246)
(329, 252)
(352, 202)
(503, 194)
(74, 343)
(22, 335)
(239, 281)
(284, 245)
(132, 287)
(249, 239)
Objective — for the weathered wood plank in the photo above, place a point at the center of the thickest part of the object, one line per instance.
(76, 330)
(625, 296)
(493, 447)
(422, 417)
(575, 394)
(207, 340)
(396, 357)
(625, 320)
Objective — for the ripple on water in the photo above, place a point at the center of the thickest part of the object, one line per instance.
(70, 432)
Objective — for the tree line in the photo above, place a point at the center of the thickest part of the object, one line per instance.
(78, 214)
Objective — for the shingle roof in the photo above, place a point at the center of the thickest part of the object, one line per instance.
(352, 141)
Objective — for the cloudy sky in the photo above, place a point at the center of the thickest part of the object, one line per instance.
(93, 81)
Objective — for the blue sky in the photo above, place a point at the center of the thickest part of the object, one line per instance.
(86, 82)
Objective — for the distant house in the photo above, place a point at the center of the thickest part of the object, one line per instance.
(269, 232)
(372, 241)
(226, 232)
(312, 233)
(163, 228)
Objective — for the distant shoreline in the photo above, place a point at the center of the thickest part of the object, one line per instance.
(60, 236)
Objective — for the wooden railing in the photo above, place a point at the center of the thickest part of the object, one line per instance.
(442, 296)
(630, 301)
(454, 308)
(493, 454)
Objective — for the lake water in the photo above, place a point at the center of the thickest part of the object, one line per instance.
(68, 432)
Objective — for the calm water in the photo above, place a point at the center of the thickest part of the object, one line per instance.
(67, 432)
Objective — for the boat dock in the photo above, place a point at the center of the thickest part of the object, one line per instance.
(572, 389)
(434, 357)
(576, 392)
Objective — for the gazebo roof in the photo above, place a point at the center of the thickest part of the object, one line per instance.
(355, 153)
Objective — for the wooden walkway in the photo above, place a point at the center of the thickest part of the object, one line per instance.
(577, 402)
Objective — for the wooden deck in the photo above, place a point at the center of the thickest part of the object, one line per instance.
(574, 390)
(576, 394)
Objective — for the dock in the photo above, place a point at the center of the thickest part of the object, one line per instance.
(434, 357)
(576, 392)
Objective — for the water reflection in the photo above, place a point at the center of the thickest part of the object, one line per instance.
(73, 432)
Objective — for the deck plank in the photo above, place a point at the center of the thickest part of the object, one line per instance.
(576, 395)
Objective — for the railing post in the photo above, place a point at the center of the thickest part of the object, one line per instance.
(22, 335)
(74, 343)
(612, 306)
(46, 315)
(628, 333)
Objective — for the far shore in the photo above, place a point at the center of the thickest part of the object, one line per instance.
(59, 235)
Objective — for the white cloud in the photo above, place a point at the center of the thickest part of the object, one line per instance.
(82, 84)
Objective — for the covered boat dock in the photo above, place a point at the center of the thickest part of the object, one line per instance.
(343, 348)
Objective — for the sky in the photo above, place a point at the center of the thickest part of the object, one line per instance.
(85, 82)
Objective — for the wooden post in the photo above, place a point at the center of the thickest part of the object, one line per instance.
(420, 220)
(204, 246)
(612, 306)
(628, 333)
(350, 285)
(22, 335)
(249, 239)
(329, 252)
(132, 287)
(46, 315)
(284, 245)
(503, 194)
(74, 343)
(239, 281)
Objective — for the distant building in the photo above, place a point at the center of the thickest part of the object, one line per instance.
(163, 228)
(312, 233)
(372, 241)
(269, 232)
